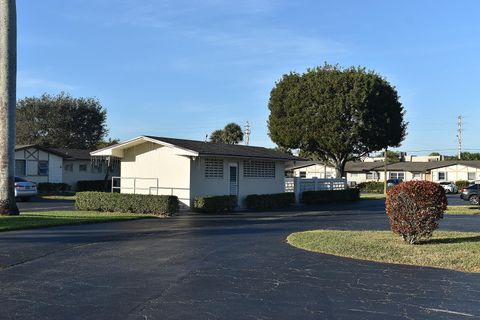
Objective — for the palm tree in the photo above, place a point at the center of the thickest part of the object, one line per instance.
(8, 83)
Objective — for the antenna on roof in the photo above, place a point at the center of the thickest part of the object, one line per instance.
(459, 137)
(247, 133)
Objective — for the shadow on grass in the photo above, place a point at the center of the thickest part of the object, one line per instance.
(451, 240)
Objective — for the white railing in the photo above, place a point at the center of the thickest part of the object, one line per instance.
(299, 185)
(137, 185)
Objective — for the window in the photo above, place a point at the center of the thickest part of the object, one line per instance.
(68, 167)
(397, 175)
(20, 169)
(471, 176)
(417, 176)
(259, 169)
(214, 168)
(43, 168)
(82, 167)
(442, 176)
(371, 176)
(303, 174)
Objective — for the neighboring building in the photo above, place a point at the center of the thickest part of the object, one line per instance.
(358, 172)
(405, 158)
(310, 169)
(41, 164)
(188, 168)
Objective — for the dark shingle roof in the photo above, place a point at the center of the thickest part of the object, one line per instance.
(73, 154)
(227, 150)
(362, 166)
(67, 154)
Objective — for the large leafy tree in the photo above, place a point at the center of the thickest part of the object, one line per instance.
(61, 121)
(8, 70)
(232, 134)
(335, 114)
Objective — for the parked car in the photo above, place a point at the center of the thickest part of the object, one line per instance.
(449, 187)
(470, 193)
(393, 182)
(24, 189)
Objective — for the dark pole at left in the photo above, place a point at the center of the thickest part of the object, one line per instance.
(8, 87)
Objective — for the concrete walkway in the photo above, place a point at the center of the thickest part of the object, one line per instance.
(222, 267)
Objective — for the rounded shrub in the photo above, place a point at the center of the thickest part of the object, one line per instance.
(414, 209)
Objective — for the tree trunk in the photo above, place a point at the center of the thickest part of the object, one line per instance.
(340, 169)
(8, 84)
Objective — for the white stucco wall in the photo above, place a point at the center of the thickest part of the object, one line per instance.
(153, 165)
(201, 186)
(455, 173)
(74, 175)
(315, 171)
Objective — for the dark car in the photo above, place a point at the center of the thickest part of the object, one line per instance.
(470, 193)
(393, 182)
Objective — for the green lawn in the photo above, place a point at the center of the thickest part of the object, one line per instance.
(372, 196)
(54, 218)
(463, 210)
(59, 197)
(449, 250)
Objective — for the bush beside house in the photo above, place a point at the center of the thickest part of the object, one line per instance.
(94, 185)
(371, 187)
(215, 203)
(414, 209)
(49, 187)
(269, 201)
(462, 184)
(121, 202)
(326, 196)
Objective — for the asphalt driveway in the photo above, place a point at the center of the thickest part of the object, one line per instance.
(219, 267)
(38, 204)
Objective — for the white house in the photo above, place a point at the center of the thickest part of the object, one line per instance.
(358, 172)
(188, 168)
(57, 165)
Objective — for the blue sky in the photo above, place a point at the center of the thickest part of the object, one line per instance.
(187, 67)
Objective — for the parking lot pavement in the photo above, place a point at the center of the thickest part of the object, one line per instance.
(39, 204)
(454, 200)
(222, 267)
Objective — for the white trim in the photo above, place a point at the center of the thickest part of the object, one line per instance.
(110, 151)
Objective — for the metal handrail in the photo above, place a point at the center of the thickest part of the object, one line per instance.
(135, 188)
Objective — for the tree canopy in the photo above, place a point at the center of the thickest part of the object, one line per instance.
(465, 156)
(336, 114)
(232, 134)
(61, 121)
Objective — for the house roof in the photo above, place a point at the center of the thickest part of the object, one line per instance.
(74, 154)
(67, 154)
(200, 148)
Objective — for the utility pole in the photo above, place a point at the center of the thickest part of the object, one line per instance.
(247, 133)
(459, 137)
(385, 173)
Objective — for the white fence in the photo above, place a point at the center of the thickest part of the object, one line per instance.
(299, 185)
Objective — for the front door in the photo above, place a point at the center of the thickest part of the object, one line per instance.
(233, 179)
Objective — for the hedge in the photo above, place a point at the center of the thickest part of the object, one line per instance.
(462, 184)
(94, 185)
(215, 203)
(325, 196)
(414, 209)
(122, 202)
(269, 201)
(371, 186)
(49, 187)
